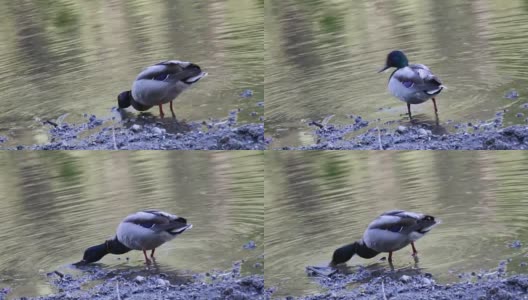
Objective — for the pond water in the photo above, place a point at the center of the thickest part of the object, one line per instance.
(318, 201)
(322, 59)
(72, 57)
(56, 204)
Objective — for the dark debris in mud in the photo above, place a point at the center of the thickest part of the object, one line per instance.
(146, 132)
(134, 285)
(468, 136)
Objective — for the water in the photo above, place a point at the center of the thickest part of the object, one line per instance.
(56, 204)
(318, 201)
(75, 57)
(322, 58)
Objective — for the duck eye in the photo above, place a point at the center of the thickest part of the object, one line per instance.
(428, 218)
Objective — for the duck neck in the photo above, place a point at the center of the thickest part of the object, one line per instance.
(363, 251)
(345, 253)
(114, 246)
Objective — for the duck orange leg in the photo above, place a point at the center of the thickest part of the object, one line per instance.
(147, 261)
(434, 103)
(161, 111)
(390, 257)
(152, 253)
(409, 110)
(414, 249)
(172, 110)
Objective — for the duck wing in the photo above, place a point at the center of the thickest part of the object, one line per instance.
(404, 222)
(170, 71)
(419, 77)
(159, 221)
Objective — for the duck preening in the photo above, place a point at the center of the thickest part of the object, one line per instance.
(389, 232)
(144, 230)
(159, 84)
(411, 83)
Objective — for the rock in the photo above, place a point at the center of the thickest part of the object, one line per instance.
(136, 127)
(162, 282)
(250, 245)
(401, 129)
(424, 132)
(139, 279)
(405, 278)
(158, 131)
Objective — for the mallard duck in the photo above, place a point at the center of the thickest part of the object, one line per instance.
(413, 84)
(144, 230)
(389, 232)
(159, 84)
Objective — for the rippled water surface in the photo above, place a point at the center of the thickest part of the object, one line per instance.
(74, 57)
(322, 58)
(56, 204)
(316, 202)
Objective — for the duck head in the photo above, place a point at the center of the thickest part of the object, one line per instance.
(125, 99)
(395, 59)
(345, 253)
(95, 253)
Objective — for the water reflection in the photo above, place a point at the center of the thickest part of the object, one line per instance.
(317, 201)
(74, 57)
(55, 204)
(322, 58)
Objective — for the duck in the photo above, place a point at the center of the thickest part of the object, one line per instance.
(389, 232)
(144, 230)
(411, 83)
(160, 84)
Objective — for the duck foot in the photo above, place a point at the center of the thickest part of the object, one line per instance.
(147, 260)
(434, 103)
(415, 253)
(161, 111)
(172, 111)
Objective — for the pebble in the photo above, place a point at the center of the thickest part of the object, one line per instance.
(405, 278)
(162, 282)
(136, 127)
(424, 132)
(250, 245)
(519, 115)
(401, 129)
(158, 131)
(246, 93)
(139, 279)
(515, 244)
(512, 94)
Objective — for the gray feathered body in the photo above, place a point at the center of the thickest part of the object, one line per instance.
(395, 229)
(163, 82)
(414, 84)
(150, 229)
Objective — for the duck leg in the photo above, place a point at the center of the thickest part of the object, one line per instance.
(161, 111)
(434, 103)
(152, 253)
(409, 110)
(147, 260)
(390, 257)
(172, 110)
(415, 253)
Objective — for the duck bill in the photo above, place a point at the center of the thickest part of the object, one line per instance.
(383, 69)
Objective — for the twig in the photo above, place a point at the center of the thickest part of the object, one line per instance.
(117, 291)
(51, 123)
(379, 139)
(113, 137)
(383, 290)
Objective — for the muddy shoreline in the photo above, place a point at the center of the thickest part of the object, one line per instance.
(144, 285)
(483, 135)
(379, 282)
(146, 132)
